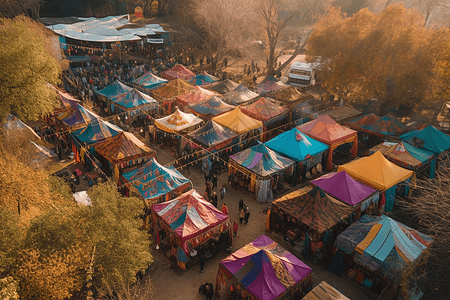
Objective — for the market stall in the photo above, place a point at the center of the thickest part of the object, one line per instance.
(211, 107)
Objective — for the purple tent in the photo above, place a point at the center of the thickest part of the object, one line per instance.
(346, 189)
(264, 270)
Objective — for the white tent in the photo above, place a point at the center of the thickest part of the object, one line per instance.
(82, 198)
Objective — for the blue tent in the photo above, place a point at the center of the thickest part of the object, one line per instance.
(114, 89)
(296, 145)
(428, 138)
(95, 132)
(212, 134)
(132, 99)
(212, 107)
(153, 180)
(203, 79)
(150, 81)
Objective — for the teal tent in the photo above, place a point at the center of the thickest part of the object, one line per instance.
(114, 89)
(150, 81)
(213, 135)
(212, 107)
(428, 138)
(133, 99)
(203, 79)
(95, 132)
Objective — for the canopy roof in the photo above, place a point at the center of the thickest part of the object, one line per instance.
(153, 180)
(403, 153)
(64, 98)
(385, 244)
(172, 90)
(270, 84)
(344, 188)
(289, 95)
(324, 291)
(108, 29)
(212, 134)
(237, 121)
(296, 145)
(383, 173)
(13, 124)
(115, 89)
(313, 208)
(133, 98)
(177, 121)
(264, 110)
(386, 125)
(77, 115)
(123, 147)
(96, 131)
(265, 269)
(150, 81)
(189, 215)
(240, 95)
(195, 96)
(326, 130)
(261, 160)
(428, 138)
(203, 79)
(178, 71)
(340, 113)
(211, 107)
(224, 87)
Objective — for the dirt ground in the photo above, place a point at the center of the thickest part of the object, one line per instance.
(177, 284)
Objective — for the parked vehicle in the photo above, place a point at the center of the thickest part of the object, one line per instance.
(302, 74)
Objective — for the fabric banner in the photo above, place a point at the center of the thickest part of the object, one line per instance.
(390, 197)
(265, 192)
(432, 169)
(372, 199)
(313, 161)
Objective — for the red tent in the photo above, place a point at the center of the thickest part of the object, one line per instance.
(178, 71)
(326, 130)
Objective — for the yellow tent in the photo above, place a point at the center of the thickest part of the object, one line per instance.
(376, 171)
(237, 121)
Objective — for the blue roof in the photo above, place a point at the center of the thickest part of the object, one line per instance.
(421, 155)
(96, 131)
(212, 134)
(132, 99)
(150, 81)
(153, 180)
(434, 140)
(115, 89)
(296, 145)
(202, 79)
(213, 106)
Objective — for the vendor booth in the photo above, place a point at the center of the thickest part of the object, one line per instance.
(326, 130)
(204, 79)
(341, 113)
(263, 270)
(240, 95)
(224, 87)
(340, 185)
(193, 97)
(379, 173)
(122, 152)
(132, 103)
(324, 291)
(75, 117)
(270, 84)
(289, 96)
(259, 169)
(309, 154)
(186, 224)
(178, 72)
(379, 126)
(238, 122)
(211, 107)
(407, 156)
(167, 94)
(102, 97)
(156, 183)
(150, 81)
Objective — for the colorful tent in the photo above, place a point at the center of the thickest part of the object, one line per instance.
(77, 116)
(261, 160)
(150, 81)
(114, 89)
(324, 291)
(155, 182)
(263, 270)
(270, 84)
(204, 79)
(96, 132)
(382, 244)
(237, 121)
(380, 126)
(289, 96)
(403, 154)
(172, 90)
(224, 87)
(195, 96)
(313, 208)
(296, 145)
(347, 189)
(213, 135)
(429, 138)
(240, 95)
(326, 130)
(122, 149)
(189, 219)
(177, 121)
(178, 71)
(133, 99)
(265, 110)
(212, 107)
(340, 113)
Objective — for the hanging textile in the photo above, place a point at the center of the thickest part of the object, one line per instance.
(265, 192)
(432, 169)
(337, 266)
(306, 247)
(407, 185)
(390, 197)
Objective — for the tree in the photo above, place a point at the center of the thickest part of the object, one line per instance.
(389, 56)
(13, 8)
(26, 68)
(11, 238)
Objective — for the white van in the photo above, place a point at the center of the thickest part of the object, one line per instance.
(302, 74)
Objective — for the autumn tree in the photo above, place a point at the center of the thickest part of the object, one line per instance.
(11, 9)
(389, 56)
(26, 67)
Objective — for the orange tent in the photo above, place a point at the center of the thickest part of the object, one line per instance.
(327, 131)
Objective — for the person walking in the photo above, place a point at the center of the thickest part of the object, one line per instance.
(214, 199)
(241, 204)
(222, 192)
(225, 62)
(214, 180)
(235, 228)
(241, 215)
(209, 291)
(247, 214)
(202, 262)
(225, 208)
